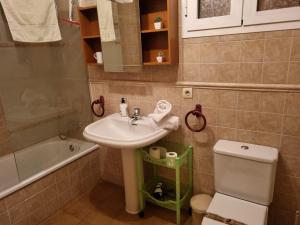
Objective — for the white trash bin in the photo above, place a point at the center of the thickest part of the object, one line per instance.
(199, 205)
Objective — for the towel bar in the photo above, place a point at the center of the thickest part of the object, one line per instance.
(198, 113)
(99, 101)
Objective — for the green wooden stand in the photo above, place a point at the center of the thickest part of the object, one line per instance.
(183, 192)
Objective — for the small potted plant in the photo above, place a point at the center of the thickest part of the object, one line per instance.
(158, 23)
(160, 57)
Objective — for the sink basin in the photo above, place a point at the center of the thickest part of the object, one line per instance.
(115, 131)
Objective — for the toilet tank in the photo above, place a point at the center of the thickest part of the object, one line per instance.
(245, 171)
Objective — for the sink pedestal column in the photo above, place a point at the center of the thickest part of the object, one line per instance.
(130, 181)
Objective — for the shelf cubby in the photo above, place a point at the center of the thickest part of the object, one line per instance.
(163, 40)
(152, 44)
(90, 46)
(90, 32)
(149, 10)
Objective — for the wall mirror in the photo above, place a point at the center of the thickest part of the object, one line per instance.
(119, 23)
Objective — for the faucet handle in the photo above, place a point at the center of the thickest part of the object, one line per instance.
(136, 111)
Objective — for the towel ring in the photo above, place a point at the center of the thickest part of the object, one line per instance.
(100, 102)
(198, 113)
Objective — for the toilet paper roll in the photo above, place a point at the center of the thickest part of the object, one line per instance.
(154, 152)
(171, 157)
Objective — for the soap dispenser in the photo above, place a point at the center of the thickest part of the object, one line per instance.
(123, 108)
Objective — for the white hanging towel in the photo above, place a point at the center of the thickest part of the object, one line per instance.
(162, 109)
(32, 20)
(106, 20)
(169, 123)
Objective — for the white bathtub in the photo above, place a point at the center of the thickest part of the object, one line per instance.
(38, 161)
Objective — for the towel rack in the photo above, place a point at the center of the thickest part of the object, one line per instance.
(198, 113)
(100, 102)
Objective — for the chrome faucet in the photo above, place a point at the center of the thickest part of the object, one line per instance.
(135, 116)
(62, 137)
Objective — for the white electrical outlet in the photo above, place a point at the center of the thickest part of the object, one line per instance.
(187, 92)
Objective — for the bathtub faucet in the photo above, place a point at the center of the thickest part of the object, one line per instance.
(62, 137)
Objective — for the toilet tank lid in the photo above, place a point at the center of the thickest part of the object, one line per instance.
(247, 151)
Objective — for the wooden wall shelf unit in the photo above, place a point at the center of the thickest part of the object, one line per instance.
(90, 33)
(165, 39)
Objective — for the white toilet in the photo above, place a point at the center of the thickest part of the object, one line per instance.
(244, 182)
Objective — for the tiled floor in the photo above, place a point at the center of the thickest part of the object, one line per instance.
(104, 205)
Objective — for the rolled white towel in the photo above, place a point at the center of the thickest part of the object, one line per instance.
(162, 109)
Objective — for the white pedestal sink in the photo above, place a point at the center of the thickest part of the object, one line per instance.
(115, 131)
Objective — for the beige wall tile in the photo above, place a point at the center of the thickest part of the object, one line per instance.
(294, 73)
(292, 125)
(35, 202)
(293, 104)
(267, 139)
(249, 100)
(277, 49)
(191, 72)
(210, 52)
(285, 184)
(250, 73)
(211, 117)
(279, 34)
(248, 120)
(203, 183)
(174, 96)
(37, 216)
(208, 73)
(289, 165)
(253, 36)
(286, 201)
(290, 146)
(231, 51)
(272, 102)
(191, 53)
(232, 37)
(228, 99)
(15, 198)
(205, 165)
(246, 136)
(227, 118)
(270, 122)
(4, 219)
(226, 133)
(253, 51)
(296, 49)
(275, 73)
(208, 98)
(17, 212)
(228, 72)
(2, 206)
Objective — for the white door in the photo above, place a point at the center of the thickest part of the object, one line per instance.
(270, 11)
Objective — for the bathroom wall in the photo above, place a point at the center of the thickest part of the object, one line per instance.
(257, 116)
(34, 203)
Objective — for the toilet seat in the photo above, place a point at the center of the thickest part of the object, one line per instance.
(237, 209)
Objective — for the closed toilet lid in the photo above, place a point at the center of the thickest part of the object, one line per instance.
(237, 209)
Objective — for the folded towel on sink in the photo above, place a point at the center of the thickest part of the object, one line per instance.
(162, 109)
(169, 123)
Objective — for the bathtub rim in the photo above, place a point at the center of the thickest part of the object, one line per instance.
(46, 172)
